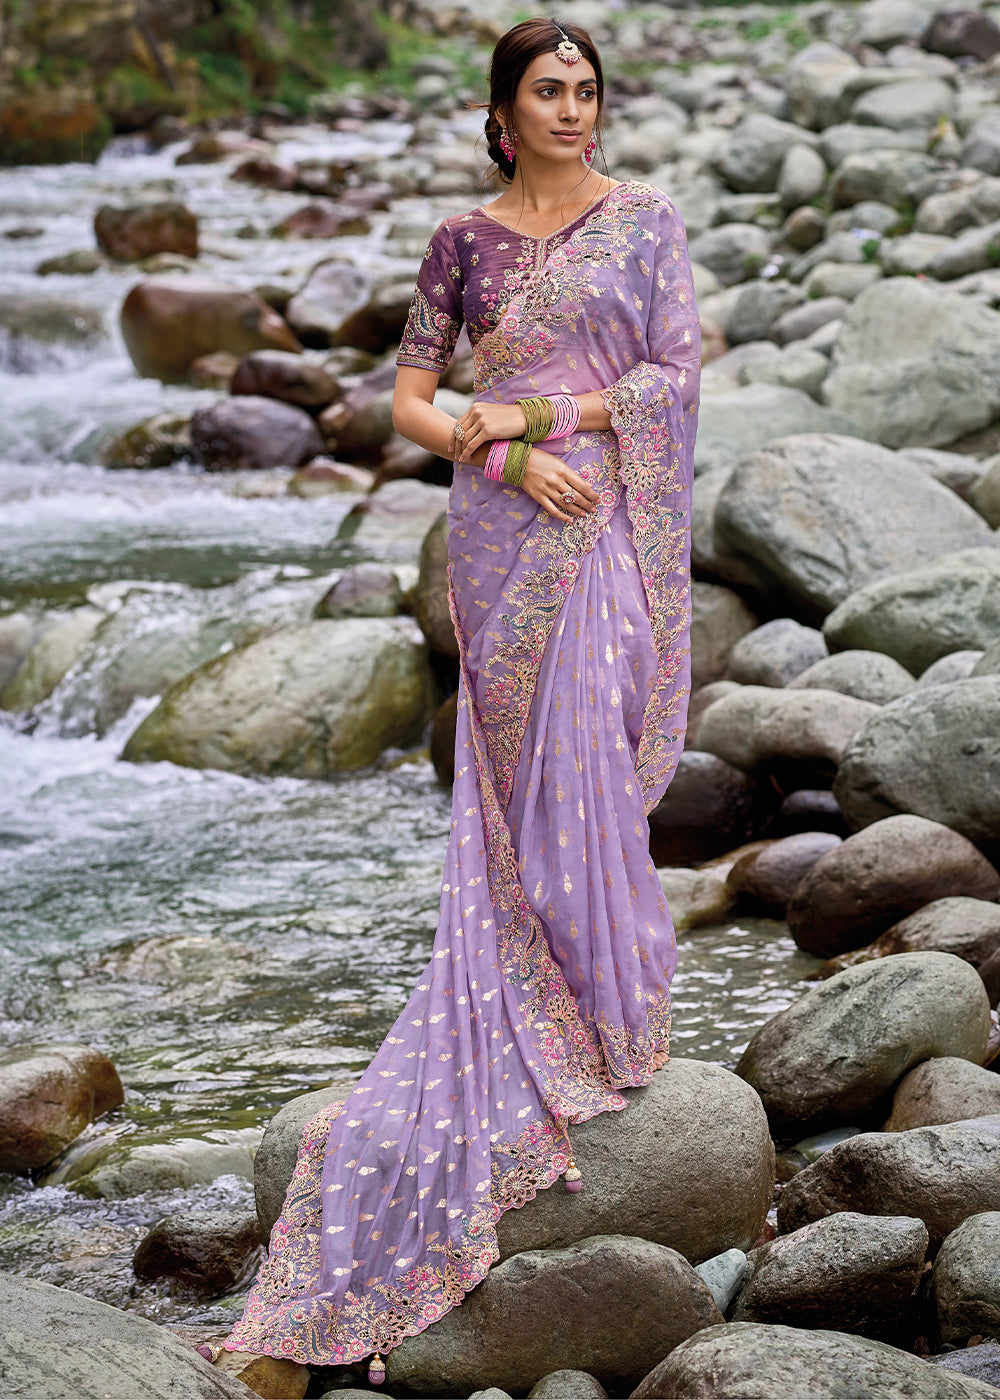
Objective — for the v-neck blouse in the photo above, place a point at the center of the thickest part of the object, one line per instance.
(473, 265)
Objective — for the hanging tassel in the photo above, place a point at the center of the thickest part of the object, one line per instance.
(573, 1177)
(376, 1370)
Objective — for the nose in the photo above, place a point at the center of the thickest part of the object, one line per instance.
(570, 111)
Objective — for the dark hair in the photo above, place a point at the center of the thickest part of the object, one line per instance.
(515, 51)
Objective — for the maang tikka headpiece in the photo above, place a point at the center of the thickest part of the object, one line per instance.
(567, 51)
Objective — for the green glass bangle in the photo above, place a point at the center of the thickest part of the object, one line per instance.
(539, 418)
(516, 461)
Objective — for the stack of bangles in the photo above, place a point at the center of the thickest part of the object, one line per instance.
(544, 419)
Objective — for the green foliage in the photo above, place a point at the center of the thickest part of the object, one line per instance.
(784, 22)
(869, 249)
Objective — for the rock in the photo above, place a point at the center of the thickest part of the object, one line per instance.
(606, 1305)
(53, 653)
(968, 206)
(80, 263)
(960, 33)
(143, 229)
(889, 176)
(48, 1095)
(756, 306)
(797, 367)
(253, 433)
(774, 653)
(443, 736)
(363, 590)
(767, 879)
(396, 517)
(867, 675)
(923, 612)
(801, 176)
(803, 320)
(50, 124)
(833, 1055)
(845, 139)
(803, 228)
(985, 494)
(902, 344)
(214, 371)
(268, 1376)
(956, 470)
(966, 1281)
(943, 1174)
(325, 477)
(816, 516)
(34, 329)
(206, 1250)
(853, 1273)
(695, 897)
(724, 1274)
(687, 1165)
(113, 1168)
(719, 618)
(332, 293)
(430, 597)
(944, 1090)
(814, 79)
(838, 279)
(920, 102)
(810, 809)
(981, 1362)
(278, 374)
(319, 698)
(733, 252)
(913, 254)
(798, 735)
(168, 322)
(380, 322)
(156, 442)
(933, 753)
(710, 807)
(567, 1385)
(322, 219)
(752, 157)
(972, 251)
(266, 174)
(969, 928)
(880, 874)
(755, 1359)
(69, 1347)
(981, 148)
(956, 666)
(732, 425)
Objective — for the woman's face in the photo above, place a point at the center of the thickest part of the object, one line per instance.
(556, 108)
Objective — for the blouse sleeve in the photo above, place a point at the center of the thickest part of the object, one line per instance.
(435, 317)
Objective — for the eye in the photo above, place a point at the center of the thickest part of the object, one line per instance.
(543, 91)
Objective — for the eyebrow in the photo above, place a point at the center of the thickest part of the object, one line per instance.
(561, 82)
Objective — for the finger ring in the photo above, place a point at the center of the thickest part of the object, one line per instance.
(459, 432)
(568, 498)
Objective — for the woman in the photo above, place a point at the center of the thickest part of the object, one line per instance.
(548, 989)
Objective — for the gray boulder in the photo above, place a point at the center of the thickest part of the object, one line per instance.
(967, 1281)
(946, 1089)
(969, 206)
(989, 662)
(972, 251)
(724, 1274)
(969, 928)
(752, 157)
(985, 495)
(916, 102)
(854, 1273)
(332, 293)
(803, 320)
(879, 875)
(817, 516)
(933, 753)
(363, 590)
(394, 520)
(797, 367)
(252, 432)
(867, 675)
(941, 1174)
(709, 808)
(834, 1055)
(323, 697)
(567, 1385)
(981, 1363)
(64, 1346)
(755, 308)
(757, 1361)
(733, 252)
(981, 148)
(775, 653)
(956, 666)
(883, 174)
(719, 620)
(732, 425)
(608, 1305)
(208, 1251)
(916, 365)
(801, 175)
(925, 611)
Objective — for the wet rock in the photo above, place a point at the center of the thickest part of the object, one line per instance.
(266, 174)
(322, 219)
(48, 1095)
(154, 443)
(688, 1164)
(756, 1359)
(833, 1055)
(966, 1280)
(324, 476)
(168, 322)
(774, 653)
(430, 597)
(724, 1275)
(18, 633)
(923, 612)
(959, 33)
(144, 229)
(270, 1377)
(817, 516)
(969, 928)
(810, 809)
(943, 1090)
(80, 263)
(320, 698)
(766, 880)
(867, 675)
(932, 753)
(887, 870)
(56, 650)
(799, 735)
(208, 1251)
(253, 433)
(100, 1351)
(981, 1362)
(695, 897)
(606, 1305)
(443, 740)
(218, 145)
(34, 327)
(396, 517)
(116, 1168)
(332, 293)
(850, 1272)
(732, 425)
(567, 1385)
(363, 590)
(278, 374)
(710, 807)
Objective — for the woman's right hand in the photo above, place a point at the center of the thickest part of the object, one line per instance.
(548, 478)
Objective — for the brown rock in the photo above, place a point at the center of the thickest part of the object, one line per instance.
(271, 1377)
(969, 928)
(961, 33)
(443, 740)
(167, 322)
(219, 145)
(430, 597)
(43, 125)
(880, 874)
(144, 229)
(943, 1090)
(258, 170)
(767, 880)
(253, 432)
(380, 322)
(209, 1251)
(709, 808)
(155, 442)
(278, 374)
(48, 1095)
(323, 476)
(214, 371)
(811, 809)
(322, 220)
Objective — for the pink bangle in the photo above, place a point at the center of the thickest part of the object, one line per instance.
(567, 416)
(496, 458)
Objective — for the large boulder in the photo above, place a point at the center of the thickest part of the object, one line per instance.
(278, 374)
(608, 1305)
(851, 1272)
(915, 365)
(735, 423)
(64, 1346)
(834, 1055)
(688, 1164)
(319, 698)
(169, 321)
(967, 1281)
(719, 620)
(395, 520)
(55, 648)
(934, 753)
(709, 808)
(924, 612)
(969, 928)
(867, 675)
(817, 516)
(943, 1090)
(332, 293)
(766, 879)
(757, 1361)
(144, 229)
(208, 1251)
(914, 102)
(752, 156)
(253, 433)
(430, 596)
(879, 875)
(774, 653)
(941, 1174)
(48, 1094)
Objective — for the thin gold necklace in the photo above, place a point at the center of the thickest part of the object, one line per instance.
(540, 238)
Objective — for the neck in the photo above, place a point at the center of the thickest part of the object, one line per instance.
(544, 187)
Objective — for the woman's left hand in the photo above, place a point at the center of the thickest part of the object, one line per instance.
(484, 423)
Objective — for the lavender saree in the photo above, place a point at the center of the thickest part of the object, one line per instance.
(548, 990)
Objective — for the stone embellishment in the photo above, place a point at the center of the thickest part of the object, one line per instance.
(567, 52)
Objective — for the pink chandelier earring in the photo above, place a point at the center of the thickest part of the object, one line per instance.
(508, 143)
(589, 150)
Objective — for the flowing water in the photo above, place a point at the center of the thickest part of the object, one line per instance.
(229, 942)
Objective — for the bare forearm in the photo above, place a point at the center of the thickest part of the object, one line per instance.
(430, 428)
(593, 413)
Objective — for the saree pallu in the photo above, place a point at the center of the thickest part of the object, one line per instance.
(548, 988)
